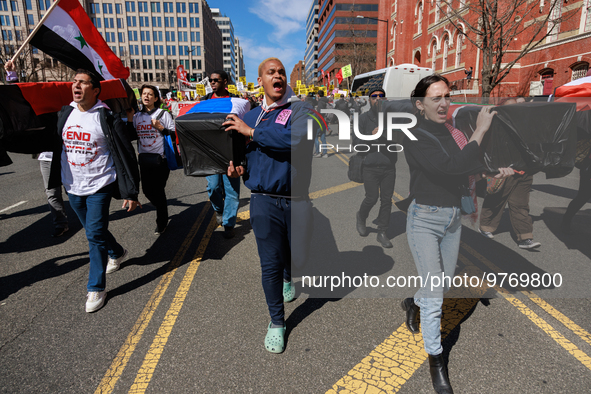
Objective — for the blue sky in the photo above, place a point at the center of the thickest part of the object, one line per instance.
(268, 28)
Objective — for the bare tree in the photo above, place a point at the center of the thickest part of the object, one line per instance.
(497, 27)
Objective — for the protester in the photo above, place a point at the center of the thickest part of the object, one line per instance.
(279, 169)
(151, 125)
(320, 150)
(224, 192)
(583, 195)
(440, 163)
(515, 193)
(379, 172)
(469, 73)
(96, 163)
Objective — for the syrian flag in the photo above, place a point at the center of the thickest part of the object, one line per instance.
(68, 35)
(28, 113)
(578, 91)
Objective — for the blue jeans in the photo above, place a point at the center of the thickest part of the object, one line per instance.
(316, 144)
(433, 235)
(280, 226)
(224, 194)
(93, 212)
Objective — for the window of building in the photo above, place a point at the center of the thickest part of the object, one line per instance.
(145, 36)
(194, 8)
(14, 5)
(30, 19)
(579, 70)
(17, 20)
(168, 7)
(109, 23)
(159, 50)
(445, 53)
(155, 6)
(132, 35)
(107, 8)
(4, 20)
(120, 23)
(171, 50)
(146, 50)
(96, 21)
(554, 20)
(168, 22)
(118, 8)
(7, 35)
(170, 36)
(437, 10)
(142, 6)
(131, 22)
(196, 50)
(130, 6)
(121, 37)
(144, 21)
(586, 15)
(95, 8)
(434, 56)
(3, 5)
(28, 5)
(156, 21)
(181, 22)
(181, 8)
(183, 36)
(459, 44)
(420, 17)
(194, 22)
(157, 36)
(195, 36)
(547, 78)
(148, 77)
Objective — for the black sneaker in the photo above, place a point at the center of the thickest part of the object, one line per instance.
(228, 232)
(361, 227)
(487, 234)
(59, 231)
(528, 244)
(159, 230)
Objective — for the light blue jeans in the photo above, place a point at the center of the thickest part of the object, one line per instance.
(317, 144)
(224, 194)
(433, 235)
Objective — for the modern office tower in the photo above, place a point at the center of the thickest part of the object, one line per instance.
(229, 50)
(151, 37)
(311, 56)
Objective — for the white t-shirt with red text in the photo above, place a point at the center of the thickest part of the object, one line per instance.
(150, 140)
(87, 165)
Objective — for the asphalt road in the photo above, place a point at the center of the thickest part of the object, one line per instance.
(186, 313)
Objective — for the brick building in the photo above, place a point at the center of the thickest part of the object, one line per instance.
(340, 23)
(421, 33)
(298, 73)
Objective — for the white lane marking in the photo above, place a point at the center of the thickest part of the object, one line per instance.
(13, 206)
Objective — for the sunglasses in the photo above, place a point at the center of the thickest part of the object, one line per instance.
(377, 95)
(215, 80)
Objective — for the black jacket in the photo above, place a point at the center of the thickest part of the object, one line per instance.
(124, 157)
(436, 176)
(381, 158)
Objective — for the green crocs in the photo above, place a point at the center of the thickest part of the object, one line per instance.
(288, 291)
(274, 341)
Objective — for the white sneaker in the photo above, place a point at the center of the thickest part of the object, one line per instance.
(113, 264)
(95, 300)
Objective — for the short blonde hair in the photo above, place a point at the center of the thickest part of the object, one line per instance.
(265, 62)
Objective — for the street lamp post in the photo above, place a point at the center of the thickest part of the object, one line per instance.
(387, 30)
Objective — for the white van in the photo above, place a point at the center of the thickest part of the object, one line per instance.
(397, 81)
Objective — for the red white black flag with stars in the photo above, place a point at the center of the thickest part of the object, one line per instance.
(69, 36)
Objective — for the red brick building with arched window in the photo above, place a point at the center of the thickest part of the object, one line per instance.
(422, 33)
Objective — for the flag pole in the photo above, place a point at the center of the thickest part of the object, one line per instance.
(30, 37)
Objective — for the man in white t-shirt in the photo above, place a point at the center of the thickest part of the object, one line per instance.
(96, 162)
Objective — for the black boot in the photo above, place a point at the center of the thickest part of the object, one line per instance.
(361, 228)
(383, 240)
(412, 310)
(439, 375)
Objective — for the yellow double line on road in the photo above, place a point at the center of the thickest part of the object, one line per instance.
(393, 362)
(152, 357)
